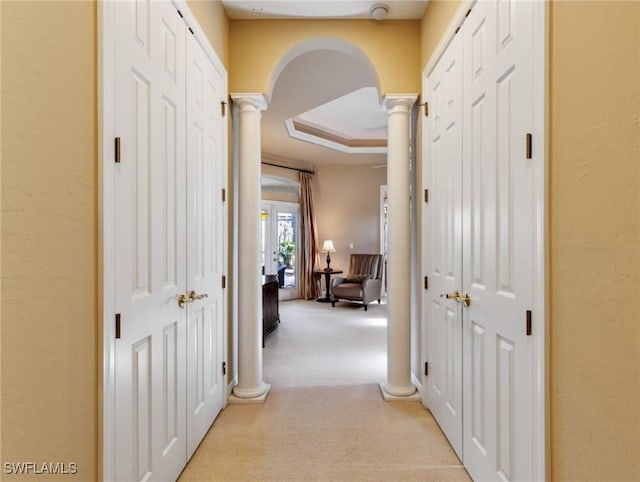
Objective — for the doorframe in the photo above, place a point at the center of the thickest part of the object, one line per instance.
(296, 206)
(106, 220)
(540, 307)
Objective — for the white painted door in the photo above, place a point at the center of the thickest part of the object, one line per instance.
(443, 218)
(498, 247)
(206, 157)
(149, 363)
(280, 234)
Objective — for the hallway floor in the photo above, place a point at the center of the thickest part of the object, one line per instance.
(325, 428)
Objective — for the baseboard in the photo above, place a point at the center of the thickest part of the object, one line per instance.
(230, 385)
(416, 382)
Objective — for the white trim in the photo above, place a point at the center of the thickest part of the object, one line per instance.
(336, 146)
(447, 36)
(106, 246)
(541, 216)
(200, 36)
(230, 385)
(541, 258)
(418, 384)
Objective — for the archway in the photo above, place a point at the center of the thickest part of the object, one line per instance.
(248, 111)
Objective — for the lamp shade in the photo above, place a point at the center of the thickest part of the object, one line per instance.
(327, 246)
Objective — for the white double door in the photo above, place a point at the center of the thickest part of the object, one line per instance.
(169, 232)
(280, 246)
(479, 228)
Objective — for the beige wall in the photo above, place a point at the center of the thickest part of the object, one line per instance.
(256, 46)
(594, 181)
(49, 234)
(347, 205)
(595, 240)
(50, 345)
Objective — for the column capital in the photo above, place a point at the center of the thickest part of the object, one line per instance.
(392, 103)
(257, 101)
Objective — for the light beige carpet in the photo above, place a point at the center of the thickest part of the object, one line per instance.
(333, 431)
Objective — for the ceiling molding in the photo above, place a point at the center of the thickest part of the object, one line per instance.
(321, 138)
(314, 130)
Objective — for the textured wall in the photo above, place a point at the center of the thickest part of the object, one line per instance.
(50, 346)
(49, 245)
(595, 240)
(256, 47)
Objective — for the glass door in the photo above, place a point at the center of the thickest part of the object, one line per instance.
(280, 236)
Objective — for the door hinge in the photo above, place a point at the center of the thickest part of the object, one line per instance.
(426, 109)
(528, 142)
(190, 30)
(426, 369)
(223, 108)
(426, 195)
(467, 14)
(117, 149)
(224, 367)
(117, 325)
(180, 13)
(224, 195)
(224, 281)
(528, 322)
(426, 282)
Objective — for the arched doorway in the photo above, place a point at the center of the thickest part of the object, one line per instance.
(304, 105)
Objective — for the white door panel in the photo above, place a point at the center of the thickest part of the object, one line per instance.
(498, 226)
(443, 393)
(280, 235)
(149, 201)
(205, 228)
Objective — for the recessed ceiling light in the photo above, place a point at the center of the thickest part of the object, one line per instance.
(379, 11)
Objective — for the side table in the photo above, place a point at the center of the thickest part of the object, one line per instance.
(327, 277)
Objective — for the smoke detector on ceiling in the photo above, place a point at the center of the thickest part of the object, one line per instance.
(379, 11)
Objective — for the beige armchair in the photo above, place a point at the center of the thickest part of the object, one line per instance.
(363, 283)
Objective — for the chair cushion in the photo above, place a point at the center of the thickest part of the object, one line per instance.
(356, 278)
(348, 290)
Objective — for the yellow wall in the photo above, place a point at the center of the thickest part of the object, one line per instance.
(49, 347)
(49, 236)
(595, 240)
(594, 211)
(434, 22)
(256, 46)
(213, 20)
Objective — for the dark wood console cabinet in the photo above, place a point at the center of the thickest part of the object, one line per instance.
(270, 312)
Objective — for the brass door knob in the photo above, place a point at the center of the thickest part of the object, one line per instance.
(466, 299)
(183, 300)
(451, 296)
(193, 296)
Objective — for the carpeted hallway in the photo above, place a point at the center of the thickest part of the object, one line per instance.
(325, 419)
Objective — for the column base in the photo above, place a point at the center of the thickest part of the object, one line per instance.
(399, 394)
(240, 396)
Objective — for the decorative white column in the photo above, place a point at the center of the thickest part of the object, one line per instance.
(250, 388)
(398, 385)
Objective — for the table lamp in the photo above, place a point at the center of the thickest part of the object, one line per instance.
(327, 247)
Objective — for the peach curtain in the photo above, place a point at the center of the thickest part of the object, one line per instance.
(309, 284)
